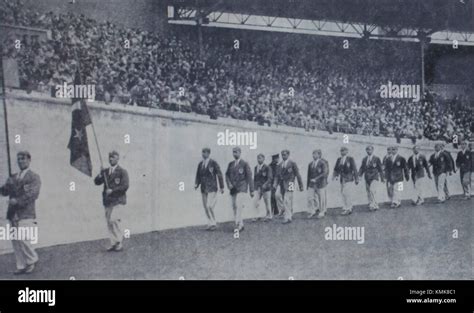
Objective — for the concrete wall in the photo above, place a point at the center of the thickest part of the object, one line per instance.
(164, 150)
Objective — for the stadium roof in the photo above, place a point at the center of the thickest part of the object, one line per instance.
(433, 15)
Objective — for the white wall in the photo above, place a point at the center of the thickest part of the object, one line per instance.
(164, 151)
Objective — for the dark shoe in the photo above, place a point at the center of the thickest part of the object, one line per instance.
(19, 271)
(118, 247)
(111, 248)
(30, 268)
(346, 212)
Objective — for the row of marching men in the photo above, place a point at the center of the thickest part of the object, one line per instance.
(276, 182)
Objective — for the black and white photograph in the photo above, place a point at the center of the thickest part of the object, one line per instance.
(203, 140)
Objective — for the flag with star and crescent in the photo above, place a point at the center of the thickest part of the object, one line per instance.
(78, 144)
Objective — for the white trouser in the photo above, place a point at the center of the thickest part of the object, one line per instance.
(285, 203)
(238, 207)
(418, 190)
(113, 226)
(466, 183)
(395, 192)
(209, 200)
(371, 193)
(440, 183)
(24, 252)
(317, 200)
(346, 192)
(266, 199)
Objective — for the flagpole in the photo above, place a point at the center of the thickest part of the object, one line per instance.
(5, 116)
(92, 123)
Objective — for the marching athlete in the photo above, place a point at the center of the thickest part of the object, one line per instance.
(371, 168)
(287, 171)
(208, 174)
(239, 181)
(463, 163)
(115, 181)
(418, 165)
(263, 181)
(346, 170)
(318, 172)
(23, 189)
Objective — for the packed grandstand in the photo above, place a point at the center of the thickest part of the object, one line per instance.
(335, 89)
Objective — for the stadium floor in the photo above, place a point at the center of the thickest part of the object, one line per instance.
(409, 242)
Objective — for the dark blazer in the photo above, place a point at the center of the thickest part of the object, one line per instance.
(318, 176)
(451, 163)
(208, 177)
(418, 168)
(287, 175)
(440, 164)
(118, 182)
(239, 178)
(263, 179)
(25, 191)
(464, 162)
(346, 171)
(387, 166)
(371, 171)
(397, 170)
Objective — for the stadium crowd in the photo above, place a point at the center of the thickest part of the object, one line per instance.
(273, 79)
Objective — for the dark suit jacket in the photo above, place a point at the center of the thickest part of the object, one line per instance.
(118, 182)
(347, 171)
(263, 179)
(287, 175)
(386, 166)
(25, 191)
(464, 162)
(318, 176)
(239, 178)
(451, 163)
(208, 177)
(419, 167)
(371, 171)
(397, 170)
(440, 164)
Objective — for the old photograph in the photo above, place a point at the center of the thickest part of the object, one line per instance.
(236, 140)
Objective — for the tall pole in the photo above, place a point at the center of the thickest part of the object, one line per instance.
(422, 48)
(199, 17)
(5, 114)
